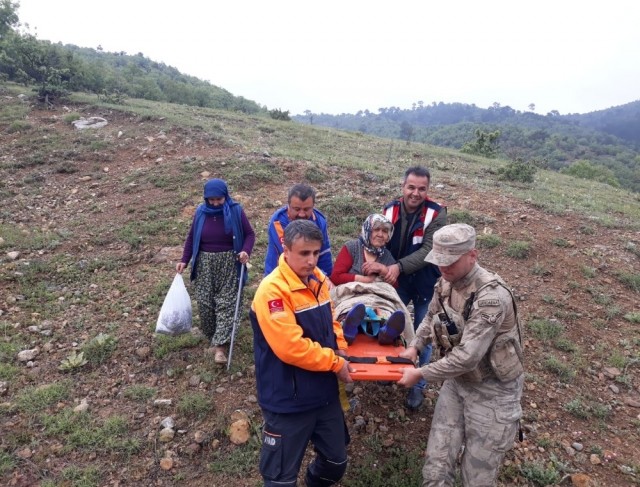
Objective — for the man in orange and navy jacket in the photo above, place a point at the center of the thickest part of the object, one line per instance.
(298, 351)
(300, 206)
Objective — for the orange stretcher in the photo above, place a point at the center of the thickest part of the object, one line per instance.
(371, 361)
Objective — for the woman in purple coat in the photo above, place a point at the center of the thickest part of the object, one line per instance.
(219, 242)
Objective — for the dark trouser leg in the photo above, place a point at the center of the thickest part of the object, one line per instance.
(330, 439)
(285, 438)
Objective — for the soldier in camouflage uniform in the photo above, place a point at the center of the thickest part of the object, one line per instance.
(473, 321)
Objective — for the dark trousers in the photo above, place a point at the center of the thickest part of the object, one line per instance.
(420, 308)
(285, 438)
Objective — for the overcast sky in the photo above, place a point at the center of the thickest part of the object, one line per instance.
(343, 56)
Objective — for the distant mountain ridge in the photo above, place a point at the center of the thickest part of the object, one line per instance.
(610, 137)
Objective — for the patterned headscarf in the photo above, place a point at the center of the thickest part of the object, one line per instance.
(374, 220)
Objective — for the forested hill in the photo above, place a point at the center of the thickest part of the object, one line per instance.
(56, 70)
(607, 141)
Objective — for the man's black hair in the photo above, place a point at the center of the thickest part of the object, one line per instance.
(302, 191)
(419, 171)
(301, 229)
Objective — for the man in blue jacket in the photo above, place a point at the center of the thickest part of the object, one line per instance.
(301, 201)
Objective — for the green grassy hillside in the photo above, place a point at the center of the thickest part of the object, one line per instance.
(92, 223)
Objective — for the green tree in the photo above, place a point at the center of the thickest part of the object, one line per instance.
(278, 114)
(406, 131)
(8, 16)
(486, 144)
(8, 19)
(45, 65)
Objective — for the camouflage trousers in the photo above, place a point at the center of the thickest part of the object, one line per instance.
(481, 419)
(216, 288)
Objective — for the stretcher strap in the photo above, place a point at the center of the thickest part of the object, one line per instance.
(379, 360)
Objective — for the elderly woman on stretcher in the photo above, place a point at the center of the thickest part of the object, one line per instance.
(363, 302)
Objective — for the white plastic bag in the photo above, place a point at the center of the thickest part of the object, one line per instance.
(175, 314)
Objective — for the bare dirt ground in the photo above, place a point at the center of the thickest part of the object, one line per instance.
(582, 398)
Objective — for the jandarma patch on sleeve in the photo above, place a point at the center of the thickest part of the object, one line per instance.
(488, 302)
(276, 306)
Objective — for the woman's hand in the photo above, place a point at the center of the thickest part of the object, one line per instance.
(180, 266)
(243, 257)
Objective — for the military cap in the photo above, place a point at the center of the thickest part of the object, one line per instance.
(450, 243)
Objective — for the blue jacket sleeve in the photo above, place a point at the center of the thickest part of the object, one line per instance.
(274, 248)
(325, 261)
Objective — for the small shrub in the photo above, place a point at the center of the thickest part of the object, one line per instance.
(602, 298)
(266, 130)
(560, 242)
(586, 230)
(487, 241)
(82, 477)
(166, 344)
(35, 399)
(519, 249)
(393, 466)
(518, 171)
(99, 348)
(66, 168)
(278, 114)
(588, 272)
(565, 345)
(315, 175)
(633, 248)
(633, 317)
(8, 371)
(243, 459)
(595, 172)
(616, 359)
(539, 474)
(632, 281)
(460, 216)
(540, 270)
(73, 361)
(600, 411)
(139, 393)
(195, 405)
(71, 117)
(7, 462)
(18, 126)
(545, 330)
(612, 311)
(564, 372)
(576, 408)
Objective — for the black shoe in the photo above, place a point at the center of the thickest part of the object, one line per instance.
(392, 329)
(415, 398)
(352, 321)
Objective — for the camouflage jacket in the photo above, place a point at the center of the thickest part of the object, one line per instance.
(484, 312)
